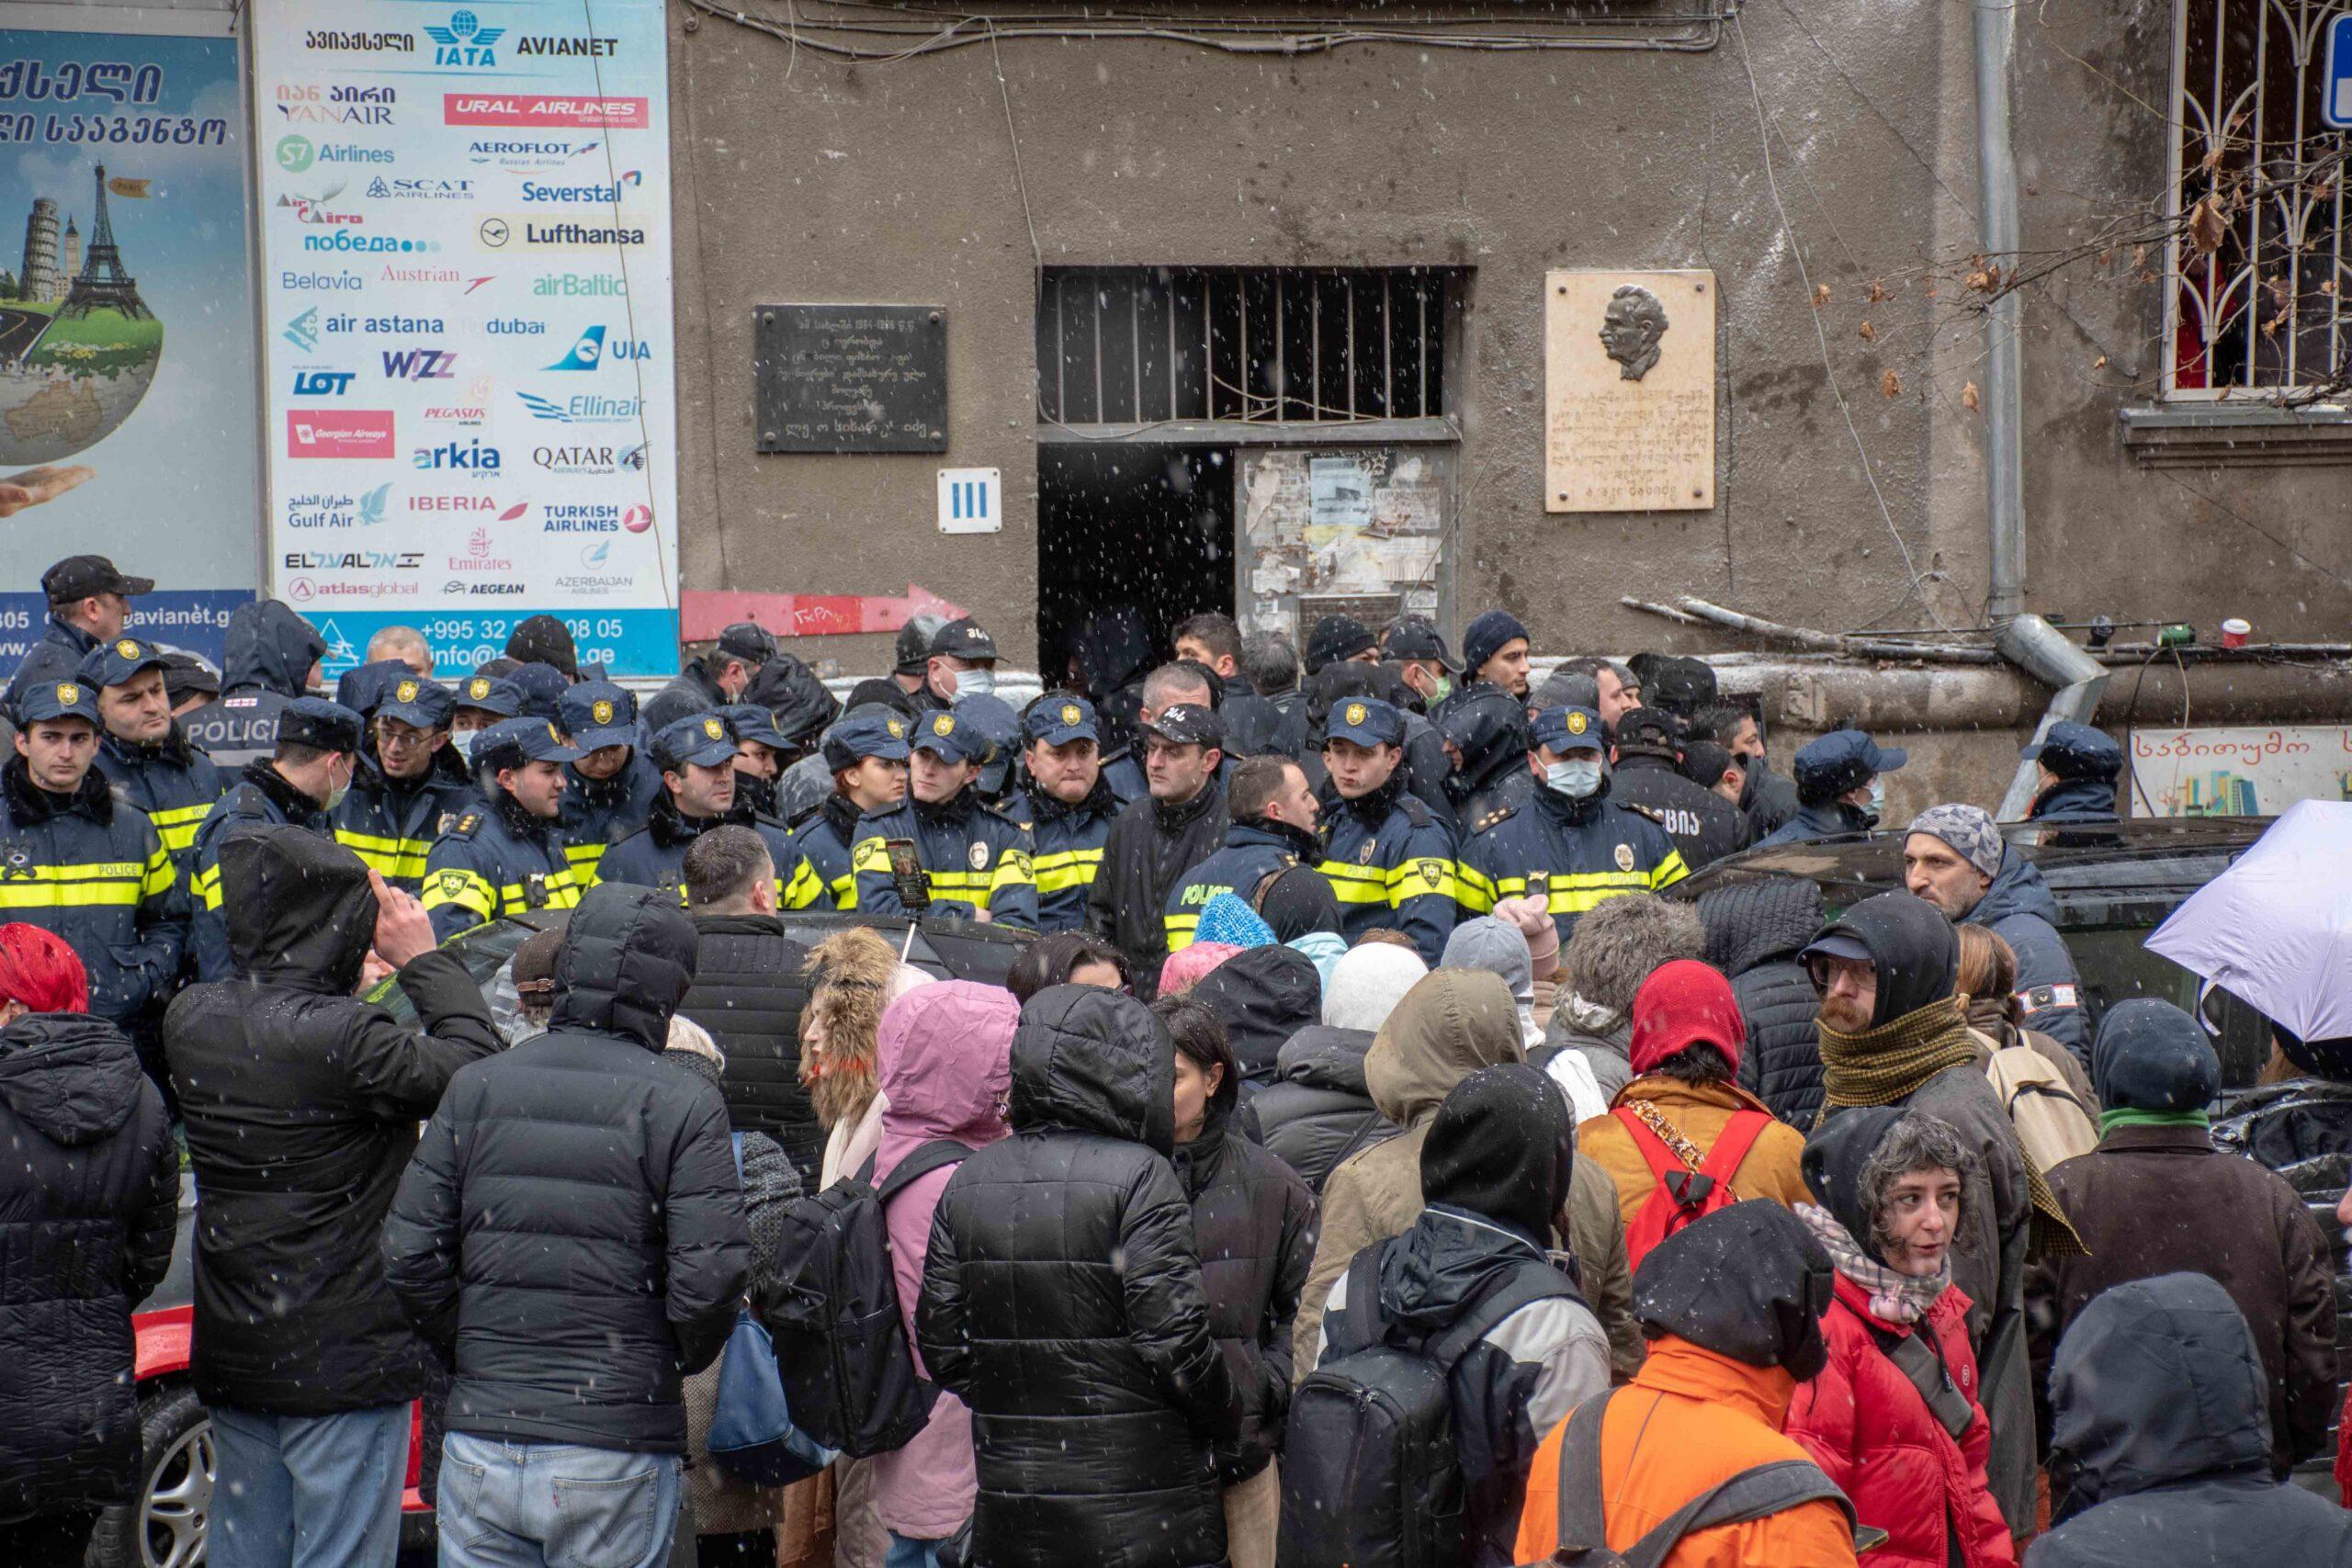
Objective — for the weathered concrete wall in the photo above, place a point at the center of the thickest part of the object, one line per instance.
(801, 179)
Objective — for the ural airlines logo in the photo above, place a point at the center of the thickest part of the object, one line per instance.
(465, 42)
(420, 365)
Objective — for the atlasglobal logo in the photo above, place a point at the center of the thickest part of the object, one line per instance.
(544, 109)
(339, 432)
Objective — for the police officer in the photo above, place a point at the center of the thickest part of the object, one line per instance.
(147, 759)
(714, 679)
(89, 602)
(411, 789)
(759, 748)
(312, 759)
(2079, 767)
(1704, 825)
(1389, 859)
(1274, 813)
(1066, 804)
(696, 756)
(82, 865)
(483, 701)
(866, 750)
(1570, 844)
(505, 855)
(975, 863)
(1838, 791)
(997, 785)
(610, 791)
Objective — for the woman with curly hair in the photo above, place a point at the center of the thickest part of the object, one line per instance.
(852, 975)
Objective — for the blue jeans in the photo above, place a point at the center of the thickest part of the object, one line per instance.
(906, 1551)
(308, 1491)
(508, 1504)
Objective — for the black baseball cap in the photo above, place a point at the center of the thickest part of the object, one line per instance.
(1653, 730)
(1413, 637)
(112, 663)
(185, 674)
(81, 576)
(749, 641)
(1187, 724)
(963, 639)
(315, 721)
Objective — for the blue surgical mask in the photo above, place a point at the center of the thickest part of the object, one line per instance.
(1576, 777)
(976, 683)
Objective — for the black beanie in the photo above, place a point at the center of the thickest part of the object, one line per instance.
(1501, 1148)
(543, 639)
(2149, 1056)
(1748, 1282)
(1335, 640)
(1297, 901)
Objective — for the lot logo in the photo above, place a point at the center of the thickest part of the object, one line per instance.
(322, 383)
(418, 364)
(466, 456)
(584, 408)
(466, 42)
(302, 332)
(334, 433)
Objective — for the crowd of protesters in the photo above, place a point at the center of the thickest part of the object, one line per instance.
(1361, 1160)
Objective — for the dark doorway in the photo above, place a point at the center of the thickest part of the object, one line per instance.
(1150, 528)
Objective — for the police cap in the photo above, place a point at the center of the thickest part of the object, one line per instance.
(1571, 728)
(869, 729)
(112, 663)
(704, 739)
(1843, 759)
(1367, 721)
(492, 693)
(752, 722)
(319, 724)
(515, 741)
(2071, 750)
(597, 714)
(416, 701)
(955, 737)
(59, 699)
(1059, 717)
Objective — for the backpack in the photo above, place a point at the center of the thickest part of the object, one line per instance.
(849, 1374)
(752, 1433)
(1753, 1493)
(1371, 1474)
(1685, 1188)
(2052, 1125)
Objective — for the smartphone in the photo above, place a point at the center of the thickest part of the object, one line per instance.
(906, 872)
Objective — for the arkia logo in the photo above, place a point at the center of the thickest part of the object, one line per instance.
(472, 457)
(322, 383)
(420, 365)
(465, 42)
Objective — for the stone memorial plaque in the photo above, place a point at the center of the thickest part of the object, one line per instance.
(1629, 392)
(850, 378)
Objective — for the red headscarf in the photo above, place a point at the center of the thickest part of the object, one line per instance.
(1682, 1004)
(40, 970)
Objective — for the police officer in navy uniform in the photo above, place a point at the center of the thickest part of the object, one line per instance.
(2079, 767)
(312, 764)
(483, 701)
(411, 789)
(975, 864)
(147, 758)
(505, 855)
(610, 791)
(866, 751)
(1275, 816)
(1388, 857)
(759, 750)
(1838, 791)
(714, 679)
(962, 664)
(1570, 844)
(89, 602)
(1066, 804)
(1647, 775)
(81, 865)
(699, 792)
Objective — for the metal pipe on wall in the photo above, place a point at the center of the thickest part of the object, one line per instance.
(1997, 187)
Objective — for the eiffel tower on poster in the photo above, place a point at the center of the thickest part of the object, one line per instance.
(102, 280)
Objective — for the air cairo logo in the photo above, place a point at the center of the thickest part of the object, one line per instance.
(1071, 713)
(601, 710)
(127, 648)
(1356, 713)
(714, 727)
(405, 692)
(1576, 724)
(478, 686)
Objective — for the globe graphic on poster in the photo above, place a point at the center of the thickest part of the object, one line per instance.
(78, 346)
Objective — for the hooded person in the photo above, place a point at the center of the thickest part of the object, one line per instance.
(1450, 1023)
(2160, 1444)
(1754, 930)
(1062, 1302)
(1484, 731)
(1498, 947)
(1109, 655)
(1317, 1111)
(1895, 1033)
(1684, 1108)
(1263, 996)
(2226, 1217)
(801, 702)
(946, 1068)
(301, 1102)
(87, 1228)
(271, 654)
(1731, 1305)
(1894, 1418)
(1495, 1168)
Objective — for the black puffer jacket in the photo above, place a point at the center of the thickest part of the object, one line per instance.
(1253, 1224)
(1318, 1111)
(1149, 848)
(1754, 930)
(1262, 997)
(2161, 1420)
(1062, 1300)
(302, 1104)
(270, 649)
(87, 1219)
(747, 992)
(572, 1229)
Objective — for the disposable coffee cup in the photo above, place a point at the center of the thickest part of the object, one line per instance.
(2234, 633)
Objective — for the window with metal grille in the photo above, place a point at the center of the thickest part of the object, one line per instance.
(2255, 301)
(1140, 345)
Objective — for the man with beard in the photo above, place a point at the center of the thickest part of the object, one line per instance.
(1157, 839)
(147, 759)
(699, 792)
(1066, 805)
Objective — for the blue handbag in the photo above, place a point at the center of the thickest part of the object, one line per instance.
(751, 1434)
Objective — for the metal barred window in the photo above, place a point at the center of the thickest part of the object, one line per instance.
(1143, 345)
(2255, 302)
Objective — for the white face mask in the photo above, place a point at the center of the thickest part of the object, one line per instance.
(1877, 806)
(1576, 777)
(976, 683)
(464, 742)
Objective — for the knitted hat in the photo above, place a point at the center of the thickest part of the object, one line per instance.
(1486, 636)
(1188, 966)
(1226, 919)
(1968, 829)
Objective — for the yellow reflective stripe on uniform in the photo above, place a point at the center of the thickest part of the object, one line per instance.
(467, 889)
(1012, 870)
(561, 892)
(95, 883)
(160, 874)
(1473, 889)
(1179, 930)
(846, 891)
(585, 858)
(206, 889)
(176, 825)
(1355, 883)
(1669, 870)
(805, 888)
(389, 858)
(1066, 869)
(1421, 876)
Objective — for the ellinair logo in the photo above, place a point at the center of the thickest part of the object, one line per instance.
(586, 354)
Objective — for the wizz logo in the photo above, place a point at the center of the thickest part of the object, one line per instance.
(420, 365)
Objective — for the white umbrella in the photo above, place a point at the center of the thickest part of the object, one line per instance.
(2276, 929)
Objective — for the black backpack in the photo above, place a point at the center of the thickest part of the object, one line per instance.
(832, 1309)
(1751, 1494)
(1371, 1474)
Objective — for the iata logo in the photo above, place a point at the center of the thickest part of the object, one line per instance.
(465, 42)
